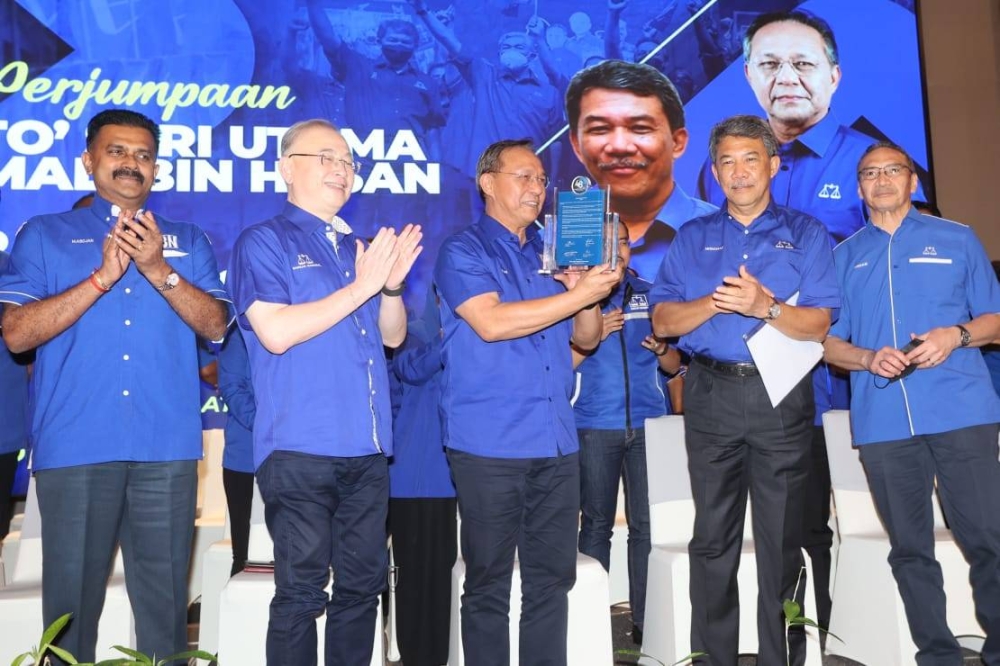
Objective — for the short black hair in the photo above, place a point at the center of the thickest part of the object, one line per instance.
(807, 19)
(636, 78)
(489, 161)
(122, 117)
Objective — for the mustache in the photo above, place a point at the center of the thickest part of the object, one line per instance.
(128, 173)
(623, 164)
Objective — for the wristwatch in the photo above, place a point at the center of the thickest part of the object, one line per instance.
(966, 336)
(774, 311)
(173, 279)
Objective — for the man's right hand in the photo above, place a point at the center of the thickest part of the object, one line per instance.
(612, 322)
(114, 260)
(887, 362)
(595, 284)
(374, 263)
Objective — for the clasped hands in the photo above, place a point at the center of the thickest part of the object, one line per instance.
(387, 260)
(742, 294)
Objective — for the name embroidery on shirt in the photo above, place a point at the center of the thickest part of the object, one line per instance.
(305, 262)
(78, 241)
(714, 248)
(829, 191)
(784, 245)
(861, 265)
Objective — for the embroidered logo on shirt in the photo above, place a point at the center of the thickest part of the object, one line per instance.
(714, 248)
(171, 248)
(829, 191)
(305, 262)
(78, 241)
(784, 245)
(929, 251)
(638, 302)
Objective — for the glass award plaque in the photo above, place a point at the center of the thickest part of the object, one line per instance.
(581, 232)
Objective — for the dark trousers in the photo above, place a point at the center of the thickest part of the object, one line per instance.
(8, 469)
(605, 457)
(239, 499)
(424, 547)
(901, 476)
(86, 510)
(533, 505)
(325, 512)
(817, 537)
(737, 442)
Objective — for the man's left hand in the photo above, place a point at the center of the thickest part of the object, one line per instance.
(744, 295)
(140, 238)
(409, 248)
(936, 348)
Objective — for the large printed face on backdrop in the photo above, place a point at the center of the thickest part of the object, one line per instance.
(320, 185)
(791, 75)
(514, 196)
(884, 193)
(122, 161)
(625, 141)
(744, 171)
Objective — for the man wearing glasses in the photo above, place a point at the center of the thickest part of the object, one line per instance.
(316, 306)
(507, 418)
(930, 412)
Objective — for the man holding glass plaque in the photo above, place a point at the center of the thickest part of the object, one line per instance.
(507, 419)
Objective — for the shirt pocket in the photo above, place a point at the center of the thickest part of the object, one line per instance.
(937, 279)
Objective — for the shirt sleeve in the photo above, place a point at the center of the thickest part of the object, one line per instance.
(257, 272)
(983, 288)
(234, 379)
(669, 287)
(818, 287)
(462, 272)
(841, 326)
(25, 280)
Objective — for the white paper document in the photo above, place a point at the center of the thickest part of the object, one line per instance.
(782, 361)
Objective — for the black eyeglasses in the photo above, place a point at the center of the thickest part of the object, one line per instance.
(326, 158)
(890, 171)
(525, 178)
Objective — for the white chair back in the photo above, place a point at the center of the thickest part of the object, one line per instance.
(671, 509)
(27, 567)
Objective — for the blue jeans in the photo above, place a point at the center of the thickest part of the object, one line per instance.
(86, 510)
(325, 512)
(531, 504)
(605, 457)
(901, 477)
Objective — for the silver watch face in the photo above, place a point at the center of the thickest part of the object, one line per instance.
(172, 281)
(774, 311)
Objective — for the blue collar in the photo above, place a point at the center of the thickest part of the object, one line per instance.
(820, 136)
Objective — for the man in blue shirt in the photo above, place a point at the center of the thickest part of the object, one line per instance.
(508, 423)
(627, 128)
(316, 306)
(116, 430)
(907, 276)
(726, 274)
(13, 416)
(620, 385)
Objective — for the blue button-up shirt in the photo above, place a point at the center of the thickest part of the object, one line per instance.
(236, 390)
(787, 251)
(648, 251)
(818, 176)
(419, 467)
(620, 385)
(122, 382)
(13, 394)
(507, 399)
(328, 395)
(929, 273)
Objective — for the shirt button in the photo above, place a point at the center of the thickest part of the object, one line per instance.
(128, 290)
(364, 332)
(744, 256)
(373, 392)
(125, 393)
(371, 362)
(543, 336)
(125, 357)
(128, 322)
(546, 367)
(746, 232)
(347, 273)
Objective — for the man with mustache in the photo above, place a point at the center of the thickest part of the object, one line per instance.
(113, 299)
(626, 124)
(926, 414)
(724, 275)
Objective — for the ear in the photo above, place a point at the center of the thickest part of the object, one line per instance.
(775, 162)
(680, 138)
(285, 167)
(715, 173)
(88, 163)
(486, 182)
(835, 74)
(574, 140)
(156, 169)
(914, 183)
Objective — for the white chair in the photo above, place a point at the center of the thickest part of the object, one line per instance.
(618, 576)
(21, 601)
(667, 631)
(245, 601)
(867, 612)
(210, 523)
(216, 564)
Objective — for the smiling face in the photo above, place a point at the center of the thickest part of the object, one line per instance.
(625, 141)
(511, 199)
(791, 75)
(319, 186)
(122, 160)
(885, 195)
(744, 172)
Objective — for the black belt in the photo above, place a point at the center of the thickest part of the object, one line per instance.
(734, 369)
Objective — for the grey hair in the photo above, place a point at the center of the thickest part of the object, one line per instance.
(889, 145)
(489, 161)
(750, 127)
(293, 132)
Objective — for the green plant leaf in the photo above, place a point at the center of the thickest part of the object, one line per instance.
(53, 629)
(61, 653)
(138, 657)
(20, 659)
(631, 652)
(690, 657)
(792, 609)
(190, 654)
